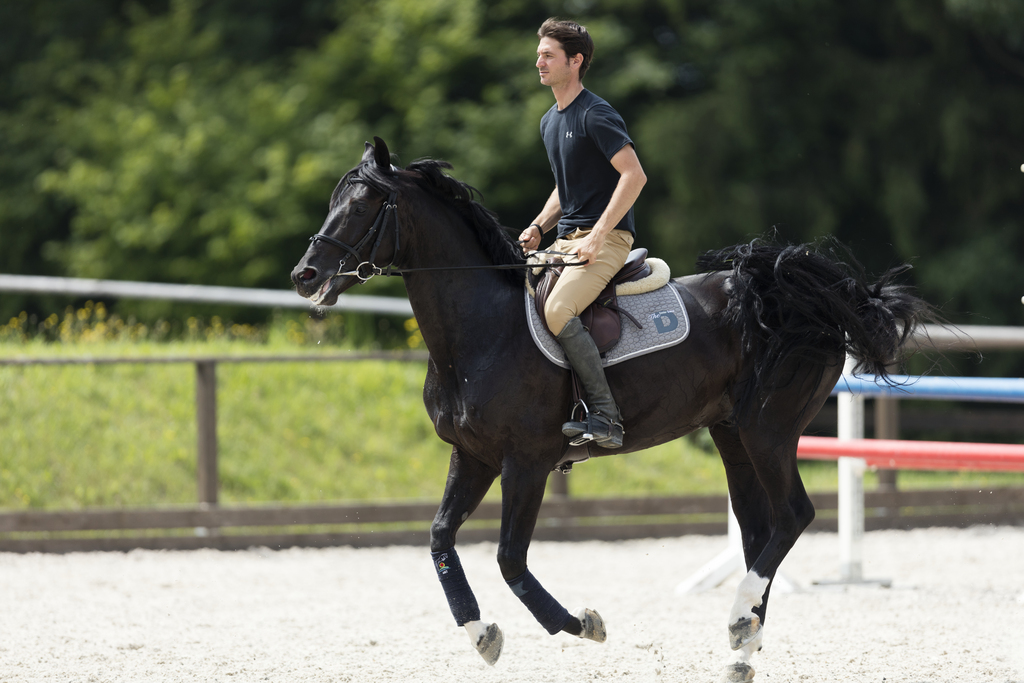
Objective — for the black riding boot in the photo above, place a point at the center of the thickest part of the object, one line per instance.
(603, 419)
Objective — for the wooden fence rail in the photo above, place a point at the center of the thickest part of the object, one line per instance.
(209, 525)
(376, 524)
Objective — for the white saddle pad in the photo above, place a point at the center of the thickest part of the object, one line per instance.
(661, 313)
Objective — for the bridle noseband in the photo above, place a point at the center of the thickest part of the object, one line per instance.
(380, 225)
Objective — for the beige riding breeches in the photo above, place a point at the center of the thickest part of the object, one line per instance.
(579, 286)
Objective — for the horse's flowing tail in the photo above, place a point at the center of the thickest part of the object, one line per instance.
(813, 302)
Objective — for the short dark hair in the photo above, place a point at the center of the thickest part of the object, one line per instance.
(574, 38)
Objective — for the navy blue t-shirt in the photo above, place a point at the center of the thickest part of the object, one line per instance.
(581, 140)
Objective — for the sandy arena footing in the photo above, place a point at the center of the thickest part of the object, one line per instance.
(954, 613)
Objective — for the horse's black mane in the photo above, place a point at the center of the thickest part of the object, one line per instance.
(428, 174)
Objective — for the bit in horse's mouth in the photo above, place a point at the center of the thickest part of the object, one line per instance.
(321, 294)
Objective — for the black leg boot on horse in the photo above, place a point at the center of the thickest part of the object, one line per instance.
(603, 423)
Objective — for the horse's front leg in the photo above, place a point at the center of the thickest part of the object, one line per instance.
(522, 490)
(468, 481)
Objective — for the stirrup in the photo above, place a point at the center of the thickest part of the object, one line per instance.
(578, 431)
(592, 427)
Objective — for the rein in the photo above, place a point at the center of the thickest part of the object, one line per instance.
(388, 271)
(390, 209)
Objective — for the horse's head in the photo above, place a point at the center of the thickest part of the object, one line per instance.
(363, 236)
(361, 230)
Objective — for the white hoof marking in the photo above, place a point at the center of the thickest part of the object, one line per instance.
(740, 672)
(487, 639)
(744, 625)
(744, 631)
(593, 625)
(739, 669)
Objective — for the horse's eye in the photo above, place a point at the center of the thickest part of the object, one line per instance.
(359, 208)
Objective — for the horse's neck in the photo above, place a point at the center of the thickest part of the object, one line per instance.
(461, 313)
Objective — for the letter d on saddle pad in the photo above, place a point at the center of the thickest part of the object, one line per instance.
(665, 321)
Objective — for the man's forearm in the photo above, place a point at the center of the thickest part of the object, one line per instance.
(549, 215)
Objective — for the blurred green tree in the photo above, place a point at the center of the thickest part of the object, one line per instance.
(187, 166)
(891, 125)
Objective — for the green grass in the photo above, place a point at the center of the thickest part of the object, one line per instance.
(89, 435)
(124, 435)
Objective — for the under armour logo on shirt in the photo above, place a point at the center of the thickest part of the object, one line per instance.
(568, 133)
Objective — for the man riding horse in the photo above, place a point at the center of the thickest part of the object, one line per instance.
(598, 177)
(770, 327)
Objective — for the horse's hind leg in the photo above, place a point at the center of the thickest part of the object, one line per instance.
(522, 490)
(468, 481)
(769, 525)
(750, 505)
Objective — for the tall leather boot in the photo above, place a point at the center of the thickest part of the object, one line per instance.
(604, 424)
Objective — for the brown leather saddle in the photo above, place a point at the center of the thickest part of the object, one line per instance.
(601, 318)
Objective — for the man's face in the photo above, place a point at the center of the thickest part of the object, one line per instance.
(556, 69)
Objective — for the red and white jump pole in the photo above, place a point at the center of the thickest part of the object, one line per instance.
(917, 455)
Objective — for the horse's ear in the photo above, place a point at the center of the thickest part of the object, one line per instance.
(368, 151)
(381, 153)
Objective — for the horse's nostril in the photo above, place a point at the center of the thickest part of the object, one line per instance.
(307, 274)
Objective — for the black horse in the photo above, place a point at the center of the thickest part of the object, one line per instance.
(770, 327)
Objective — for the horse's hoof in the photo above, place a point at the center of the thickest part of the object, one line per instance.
(744, 631)
(593, 625)
(489, 644)
(740, 672)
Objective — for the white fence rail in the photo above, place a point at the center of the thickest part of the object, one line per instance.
(966, 337)
(242, 296)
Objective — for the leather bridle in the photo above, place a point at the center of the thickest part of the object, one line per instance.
(375, 233)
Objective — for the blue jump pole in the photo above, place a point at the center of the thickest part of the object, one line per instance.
(994, 389)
